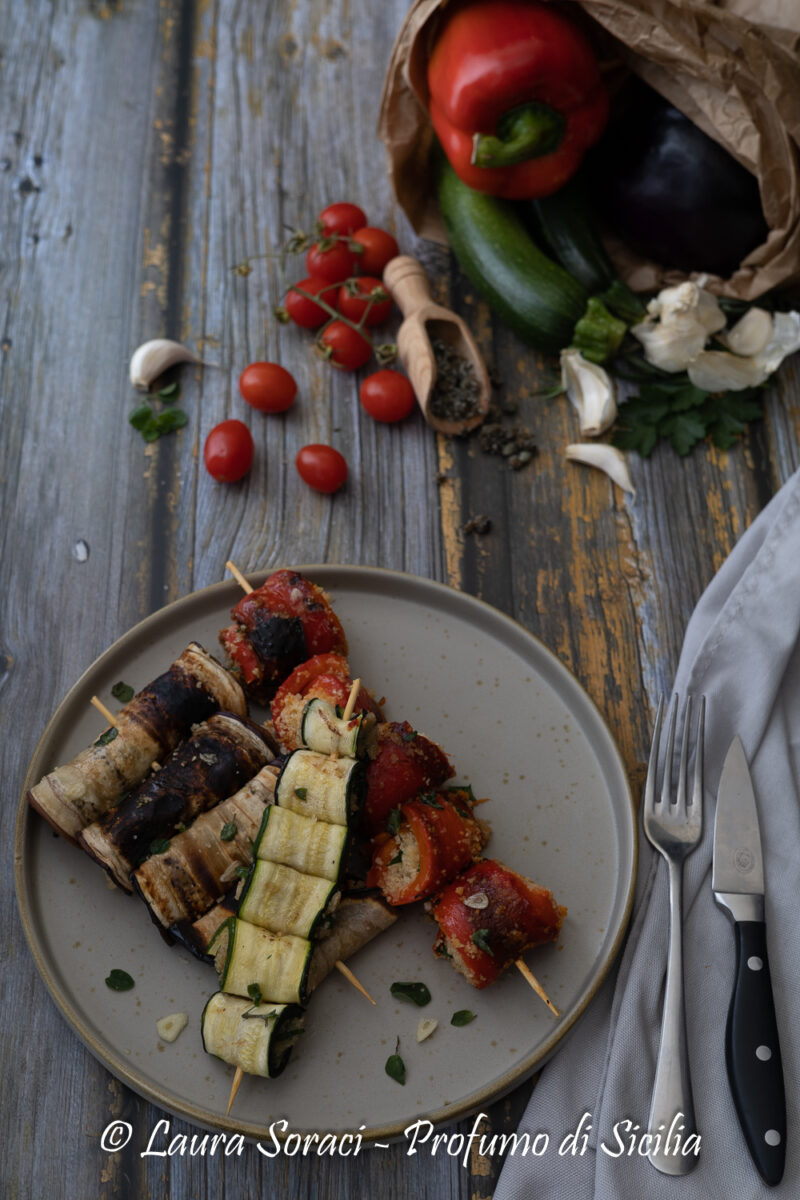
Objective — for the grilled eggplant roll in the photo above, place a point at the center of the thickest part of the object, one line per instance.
(357, 920)
(256, 1037)
(218, 759)
(199, 867)
(150, 726)
(316, 785)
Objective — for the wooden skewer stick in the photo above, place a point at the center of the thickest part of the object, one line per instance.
(529, 976)
(237, 1080)
(112, 720)
(348, 710)
(239, 577)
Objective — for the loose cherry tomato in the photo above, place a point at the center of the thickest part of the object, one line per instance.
(228, 452)
(378, 247)
(353, 300)
(387, 396)
(341, 218)
(305, 312)
(344, 346)
(267, 387)
(336, 263)
(321, 467)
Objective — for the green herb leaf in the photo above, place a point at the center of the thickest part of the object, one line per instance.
(119, 981)
(107, 737)
(462, 1017)
(254, 992)
(398, 858)
(170, 392)
(122, 692)
(228, 831)
(481, 939)
(409, 735)
(396, 1068)
(393, 823)
(242, 871)
(159, 846)
(430, 799)
(140, 417)
(267, 1017)
(415, 993)
(154, 425)
(301, 793)
(170, 420)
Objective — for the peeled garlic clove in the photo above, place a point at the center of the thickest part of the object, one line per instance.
(425, 1028)
(605, 458)
(785, 340)
(718, 371)
(153, 358)
(751, 334)
(591, 392)
(169, 1027)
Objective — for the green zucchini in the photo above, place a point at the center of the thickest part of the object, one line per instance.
(251, 960)
(322, 729)
(279, 898)
(568, 229)
(314, 847)
(256, 1037)
(317, 785)
(536, 297)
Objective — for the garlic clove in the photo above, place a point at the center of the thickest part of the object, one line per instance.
(605, 458)
(719, 371)
(678, 325)
(152, 358)
(590, 390)
(751, 334)
(785, 340)
(169, 1027)
(425, 1028)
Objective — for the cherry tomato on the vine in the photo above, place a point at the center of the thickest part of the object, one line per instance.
(321, 467)
(344, 346)
(387, 396)
(353, 300)
(228, 452)
(268, 387)
(305, 312)
(342, 218)
(336, 263)
(378, 247)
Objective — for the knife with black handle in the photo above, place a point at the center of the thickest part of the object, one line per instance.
(752, 1050)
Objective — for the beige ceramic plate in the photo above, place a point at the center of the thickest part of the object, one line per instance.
(516, 724)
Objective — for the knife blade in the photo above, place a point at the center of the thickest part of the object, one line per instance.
(752, 1051)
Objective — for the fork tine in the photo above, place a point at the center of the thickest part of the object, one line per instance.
(683, 777)
(652, 766)
(666, 786)
(697, 788)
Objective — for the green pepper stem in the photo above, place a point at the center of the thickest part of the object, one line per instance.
(526, 132)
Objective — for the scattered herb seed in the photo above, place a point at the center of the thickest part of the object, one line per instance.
(159, 846)
(462, 1017)
(107, 737)
(254, 992)
(455, 395)
(229, 831)
(122, 692)
(480, 524)
(416, 993)
(481, 939)
(119, 981)
(515, 443)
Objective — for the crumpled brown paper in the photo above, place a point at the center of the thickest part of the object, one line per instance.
(731, 67)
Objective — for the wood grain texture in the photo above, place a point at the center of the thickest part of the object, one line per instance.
(145, 151)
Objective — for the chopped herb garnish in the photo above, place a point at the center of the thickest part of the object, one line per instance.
(462, 1017)
(441, 951)
(228, 831)
(416, 993)
(122, 692)
(116, 803)
(169, 393)
(408, 735)
(107, 737)
(464, 787)
(254, 992)
(481, 939)
(242, 871)
(159, 846)
(301, 793)
(339, 711)
(395, 1067)
(180, 827)
(398, 858)
(119, 981)
(393, 823)
(267, 1017)
(431, 799)
(152, 425)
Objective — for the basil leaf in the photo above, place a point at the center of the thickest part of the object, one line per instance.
(107, 737)
(416, 993)
(159, 846)
(229, 831)
(462, 1017)
(122, 692)
(481, 939)
(119, 981)
(254, 992)
(396, 1068)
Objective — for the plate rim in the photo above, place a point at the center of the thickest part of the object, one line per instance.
(489, 1093)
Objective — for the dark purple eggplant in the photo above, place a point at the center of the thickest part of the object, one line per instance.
(672, 193)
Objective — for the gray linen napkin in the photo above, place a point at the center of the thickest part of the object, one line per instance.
(742, 650)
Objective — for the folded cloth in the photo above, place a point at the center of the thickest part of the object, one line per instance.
(742, 651)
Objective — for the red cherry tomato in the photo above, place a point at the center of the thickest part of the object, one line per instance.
(353, 300)
(321, 467)
(344, 346)
(378, 247)
(305, 312)
(228, 452)
(267, 387)
(335, 264)
(341, 218)
(387, 396)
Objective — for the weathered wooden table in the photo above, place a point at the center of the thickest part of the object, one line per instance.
(147, 149)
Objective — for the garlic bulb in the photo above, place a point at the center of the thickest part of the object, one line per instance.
(785, 340)
(719, 371)
(605, 458)
(679, 322)
(590, 390)
(153, 358)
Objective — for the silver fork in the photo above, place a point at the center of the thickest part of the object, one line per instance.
(674, 828)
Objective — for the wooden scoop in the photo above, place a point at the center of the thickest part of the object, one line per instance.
(405, 278)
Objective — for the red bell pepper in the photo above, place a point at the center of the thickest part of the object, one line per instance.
(516, 97)
(507, 915)
(406, 763)
(438, 836)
